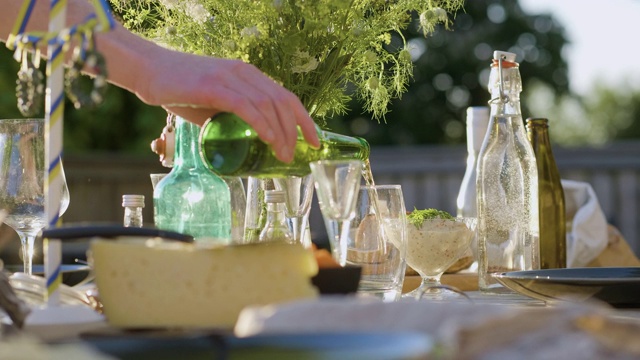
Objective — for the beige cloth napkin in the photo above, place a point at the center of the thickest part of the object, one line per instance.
(587, 234)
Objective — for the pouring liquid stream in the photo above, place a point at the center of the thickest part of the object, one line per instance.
(367, 174)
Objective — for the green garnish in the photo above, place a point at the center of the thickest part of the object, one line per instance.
(417, 217)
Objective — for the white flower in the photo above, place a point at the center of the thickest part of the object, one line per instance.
(434, 15)
(196, 11)
(373, 83)
(229, 44)
(250, 32)
(170, 4)
(303, 62)
(370, 57)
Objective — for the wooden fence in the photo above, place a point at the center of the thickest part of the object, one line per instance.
(430, 177)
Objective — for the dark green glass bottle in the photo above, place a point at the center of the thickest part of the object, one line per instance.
(230, 147)
(553, 236)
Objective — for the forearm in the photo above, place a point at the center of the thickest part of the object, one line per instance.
(126, 54)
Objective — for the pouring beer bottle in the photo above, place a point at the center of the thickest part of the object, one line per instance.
(230, 147)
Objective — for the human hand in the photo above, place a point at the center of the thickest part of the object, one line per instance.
(197, 87)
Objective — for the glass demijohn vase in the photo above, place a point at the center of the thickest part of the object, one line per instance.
(230, 147)
(191, 199)
(507, 183)
(553, 233)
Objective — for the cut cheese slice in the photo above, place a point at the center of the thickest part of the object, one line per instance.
(154, 283)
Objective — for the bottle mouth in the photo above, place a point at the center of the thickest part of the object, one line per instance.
(505, 63)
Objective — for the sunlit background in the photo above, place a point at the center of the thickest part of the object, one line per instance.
(578, 60)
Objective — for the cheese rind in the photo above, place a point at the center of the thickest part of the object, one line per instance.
(158, 284)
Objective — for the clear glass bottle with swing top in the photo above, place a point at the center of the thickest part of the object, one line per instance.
(507, 183)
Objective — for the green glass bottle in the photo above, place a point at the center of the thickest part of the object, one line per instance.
(230, 147)
(191, 199)
(553, 243)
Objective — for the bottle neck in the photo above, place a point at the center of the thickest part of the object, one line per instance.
(505, 90)
(343, 147)
(477, 124)
(187, 154)
(275, 213)
(538, 132)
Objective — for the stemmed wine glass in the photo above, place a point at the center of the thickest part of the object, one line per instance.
(337, 184)
(22, 172)
(298, 192)
(432, 247)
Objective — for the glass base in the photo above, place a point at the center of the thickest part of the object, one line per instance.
(384, 295)
(437, 292)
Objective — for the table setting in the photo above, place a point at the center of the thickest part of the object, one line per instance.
(216, 277)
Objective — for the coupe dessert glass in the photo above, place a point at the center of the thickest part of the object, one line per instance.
(432, 248)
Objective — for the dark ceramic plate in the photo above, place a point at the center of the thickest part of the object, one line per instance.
(83, 231)
(342, 280)
(618, 286)
(72, 274)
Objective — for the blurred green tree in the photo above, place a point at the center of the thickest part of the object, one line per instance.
(452, 68)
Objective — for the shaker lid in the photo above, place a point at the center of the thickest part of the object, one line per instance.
(132, 200)
(274, 196)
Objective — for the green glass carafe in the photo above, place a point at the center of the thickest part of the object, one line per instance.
(230, 147)
(192, 199)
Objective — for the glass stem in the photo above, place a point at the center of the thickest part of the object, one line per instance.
(298, 226)
(428, 282)
(28, 242)
(338, 232)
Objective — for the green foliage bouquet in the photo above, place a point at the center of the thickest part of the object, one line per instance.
(314, 48)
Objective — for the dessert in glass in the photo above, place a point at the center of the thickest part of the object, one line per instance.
(435, 241)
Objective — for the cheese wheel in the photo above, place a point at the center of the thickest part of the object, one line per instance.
(155, 283)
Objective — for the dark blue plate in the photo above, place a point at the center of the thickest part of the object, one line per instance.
(617, 286)
(144, 345)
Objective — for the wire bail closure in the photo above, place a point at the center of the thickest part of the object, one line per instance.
(503, 96)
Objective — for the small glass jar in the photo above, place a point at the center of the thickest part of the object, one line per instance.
(133, 205)
(276, 228)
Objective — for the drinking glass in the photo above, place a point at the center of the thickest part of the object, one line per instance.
(22, 172)
(238, 207)
(298, 192)
(432, 248)
(156, 177)
(337, 183)
(377, 241)
(255, 214)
